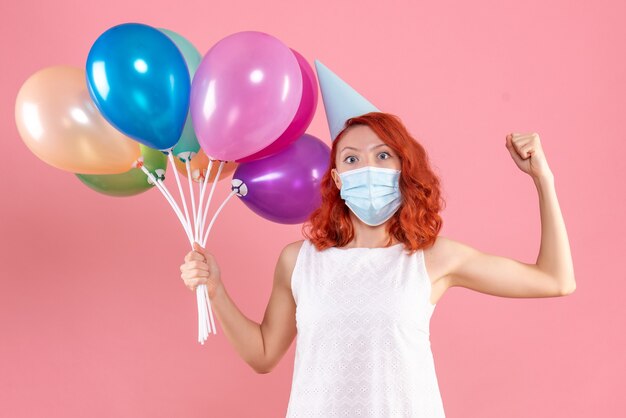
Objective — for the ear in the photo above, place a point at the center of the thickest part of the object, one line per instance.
(336, 178)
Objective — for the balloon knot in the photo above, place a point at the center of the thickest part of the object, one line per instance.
(239, 187)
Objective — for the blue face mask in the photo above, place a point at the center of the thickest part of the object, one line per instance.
(372, 193)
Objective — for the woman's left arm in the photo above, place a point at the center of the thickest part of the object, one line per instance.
(553, 273)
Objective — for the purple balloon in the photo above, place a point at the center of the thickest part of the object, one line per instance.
(285, 187)
(244, 94)
(303, 117)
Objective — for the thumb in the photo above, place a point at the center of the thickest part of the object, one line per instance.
(509, 141)
(198, 247)
(511, 148)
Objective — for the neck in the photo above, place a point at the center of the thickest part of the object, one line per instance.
(368, 236)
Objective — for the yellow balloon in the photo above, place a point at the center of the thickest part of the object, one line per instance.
(60, 124)
(199, 164)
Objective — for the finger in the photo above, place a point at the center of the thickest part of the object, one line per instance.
(527, 150)
(513, 150)
(195, 264)
(199, 256)
(510, 144)
(529, 136)
(194, 255)
(199, 265)
(519, 134)
(513, 137)
(523, 139)
(192, 284)
(521, 142)
(525, 133)
(192, 274)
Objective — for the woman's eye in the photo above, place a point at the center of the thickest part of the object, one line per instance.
(348, 158)
(384, 153)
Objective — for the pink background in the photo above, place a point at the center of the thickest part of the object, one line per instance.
(95, 320)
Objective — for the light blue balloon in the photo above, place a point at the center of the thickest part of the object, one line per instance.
(188, 142)
(139, 81)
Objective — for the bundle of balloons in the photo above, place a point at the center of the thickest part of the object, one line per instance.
(147, 96)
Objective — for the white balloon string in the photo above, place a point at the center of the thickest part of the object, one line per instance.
(206, 304)
(193, 200)
(231, 194)
(202, 193)
(203, 314)
(180, 188)
(200, 183)
(208, 202)
(208, 300)
(201, 292)
(199, 316)
(202, 286)
(171, 198)
(203, 216)
(201, 180)
(172, 204)
(202, 308)
(207, 308)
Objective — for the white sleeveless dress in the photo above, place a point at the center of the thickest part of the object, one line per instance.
(363, 341)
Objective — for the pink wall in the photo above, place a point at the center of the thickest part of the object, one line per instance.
(95, 321)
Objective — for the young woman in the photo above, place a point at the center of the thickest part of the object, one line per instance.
(359, 291)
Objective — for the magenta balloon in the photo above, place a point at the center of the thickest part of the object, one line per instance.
(303, 117)
(244, 95)
(285, 187)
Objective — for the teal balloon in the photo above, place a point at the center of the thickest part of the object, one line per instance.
(188, 141)
(131, 182)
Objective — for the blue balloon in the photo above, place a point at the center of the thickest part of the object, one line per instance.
(139, 81)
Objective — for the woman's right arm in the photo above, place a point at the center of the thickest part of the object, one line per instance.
(260, 345)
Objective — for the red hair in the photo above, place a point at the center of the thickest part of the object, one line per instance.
(416, 223)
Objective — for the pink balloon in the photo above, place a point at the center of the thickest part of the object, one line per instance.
(303, 117)
(244, 95)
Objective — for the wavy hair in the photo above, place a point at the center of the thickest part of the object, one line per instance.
(417, 221)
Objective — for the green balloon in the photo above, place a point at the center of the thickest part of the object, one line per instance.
(132, 182)
(188, 142)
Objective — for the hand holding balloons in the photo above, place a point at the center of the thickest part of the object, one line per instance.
(247, 110)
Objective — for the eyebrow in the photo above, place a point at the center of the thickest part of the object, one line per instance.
(377, 146)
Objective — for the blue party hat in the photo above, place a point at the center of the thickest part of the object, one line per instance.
(341, 101)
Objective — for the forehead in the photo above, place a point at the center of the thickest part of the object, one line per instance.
(359, 137)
